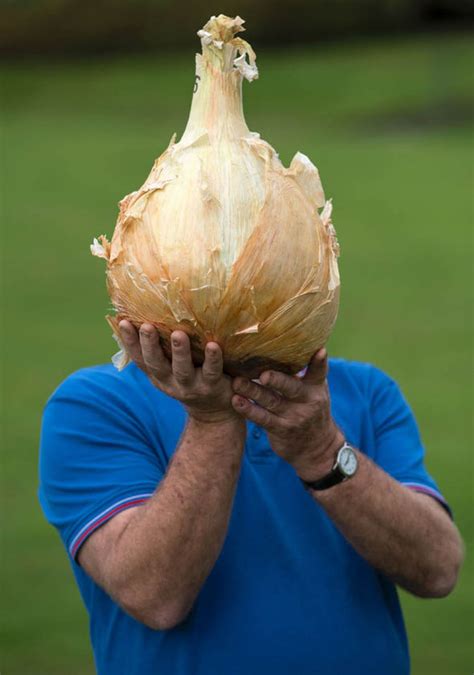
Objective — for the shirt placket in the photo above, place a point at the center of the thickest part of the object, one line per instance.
(257, 445)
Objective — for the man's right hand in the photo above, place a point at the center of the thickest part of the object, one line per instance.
(154, 558)
(205, 392)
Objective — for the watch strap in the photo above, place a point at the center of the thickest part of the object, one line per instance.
(334, 477)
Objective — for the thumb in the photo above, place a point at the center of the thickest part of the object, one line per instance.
(318, 368)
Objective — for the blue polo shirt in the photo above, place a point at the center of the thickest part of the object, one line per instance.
(288, 594)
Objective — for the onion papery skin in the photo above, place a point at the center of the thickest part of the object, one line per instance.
(222, 241)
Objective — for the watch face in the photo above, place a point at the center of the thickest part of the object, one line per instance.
(347, 461)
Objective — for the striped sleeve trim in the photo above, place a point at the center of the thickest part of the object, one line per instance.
(420, 487)
(101, 518)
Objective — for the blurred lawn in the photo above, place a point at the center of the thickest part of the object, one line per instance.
(387, 125)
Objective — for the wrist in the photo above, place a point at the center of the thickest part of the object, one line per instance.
(217, 415)
(317, 464)
(219, 421)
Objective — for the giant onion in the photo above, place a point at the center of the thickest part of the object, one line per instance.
(222, 241)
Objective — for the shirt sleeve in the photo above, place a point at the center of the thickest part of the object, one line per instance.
(96, 459)
(399, 449)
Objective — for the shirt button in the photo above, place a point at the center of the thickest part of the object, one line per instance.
(256, 433)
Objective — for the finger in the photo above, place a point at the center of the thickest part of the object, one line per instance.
(254, 413)
(266, 398)
(290, 387)
(213, 362)
(131, 342)
(155, 361)
(318, 368)
(181, 361)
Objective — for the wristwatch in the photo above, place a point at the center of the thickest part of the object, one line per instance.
(344, 468)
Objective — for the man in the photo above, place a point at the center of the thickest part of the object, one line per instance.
(228, 527)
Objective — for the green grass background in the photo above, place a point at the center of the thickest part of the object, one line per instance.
(387, 125)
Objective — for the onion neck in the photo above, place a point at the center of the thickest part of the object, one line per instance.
(216, 106)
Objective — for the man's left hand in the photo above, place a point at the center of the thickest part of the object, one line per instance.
(405, 535)
(295, 412)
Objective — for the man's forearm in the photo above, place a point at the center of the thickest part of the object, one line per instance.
(404, 534)
(168, 548)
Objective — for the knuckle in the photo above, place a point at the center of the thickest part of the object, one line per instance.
(236, 383)
(182, 377)
(270, 404)
(266, 419)
(157, 381)
(145, 336)
(306, 423)
(149, 362)
(307, 416)
(271, 379)
(245, 384)
(205, 390)
(143, 347)
(138, 358)
(297, 389)
(287, 426)
(147, 353)
(321, 410)
(274, 402)
(184, 395)
(317, 401)
(155, 371)
(298, 420)
(290, 424)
